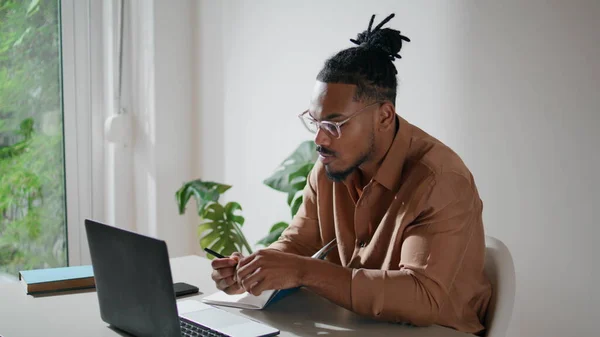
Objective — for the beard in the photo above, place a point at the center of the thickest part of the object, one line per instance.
(341, 175)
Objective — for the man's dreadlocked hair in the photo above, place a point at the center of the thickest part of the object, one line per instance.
(370, 65)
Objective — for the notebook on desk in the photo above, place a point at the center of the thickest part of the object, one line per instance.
(249, 301)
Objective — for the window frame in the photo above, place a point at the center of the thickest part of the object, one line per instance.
(83, 118)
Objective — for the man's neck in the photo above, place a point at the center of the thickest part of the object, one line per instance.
(368, 169)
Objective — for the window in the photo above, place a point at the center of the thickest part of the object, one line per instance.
(33, 232)
(51, 150)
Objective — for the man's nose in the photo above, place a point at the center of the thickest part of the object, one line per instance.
(322, 138)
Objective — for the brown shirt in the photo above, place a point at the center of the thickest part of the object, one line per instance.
(413, 236)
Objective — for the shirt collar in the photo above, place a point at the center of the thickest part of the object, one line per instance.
(389, 173)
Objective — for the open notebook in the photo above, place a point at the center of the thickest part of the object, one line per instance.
(249, 301)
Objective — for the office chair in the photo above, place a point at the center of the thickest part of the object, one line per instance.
(501, 271)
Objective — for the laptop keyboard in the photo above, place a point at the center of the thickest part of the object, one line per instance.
(189, 328)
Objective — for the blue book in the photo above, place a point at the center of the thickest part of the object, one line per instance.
(57, 279)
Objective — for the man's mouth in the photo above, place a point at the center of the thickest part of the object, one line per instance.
(326, 159)
(324, 151)
(325, 155)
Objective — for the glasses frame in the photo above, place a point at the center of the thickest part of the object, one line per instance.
(338, 125)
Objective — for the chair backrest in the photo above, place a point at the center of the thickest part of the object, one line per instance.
(501, 271)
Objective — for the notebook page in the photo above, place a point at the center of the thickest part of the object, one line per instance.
(245, 300)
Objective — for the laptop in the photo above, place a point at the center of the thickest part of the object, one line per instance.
(135, 290)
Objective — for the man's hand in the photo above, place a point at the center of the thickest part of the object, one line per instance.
(224, 274)
(269, 269)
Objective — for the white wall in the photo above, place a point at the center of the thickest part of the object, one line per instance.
(511, 86)
(158, 63)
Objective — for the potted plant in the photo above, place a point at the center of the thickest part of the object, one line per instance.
(220, 227)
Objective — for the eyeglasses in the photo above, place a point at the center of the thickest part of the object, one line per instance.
(333, 128)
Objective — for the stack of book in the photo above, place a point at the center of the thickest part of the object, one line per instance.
(40, 281)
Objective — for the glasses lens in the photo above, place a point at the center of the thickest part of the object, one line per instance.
(331, 129)
(313, 126)
(310, 124)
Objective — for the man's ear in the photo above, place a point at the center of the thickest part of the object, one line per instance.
(386, 117)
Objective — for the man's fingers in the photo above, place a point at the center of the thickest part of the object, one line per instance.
(237, 256)
(225, 283)
(258, 288)
(219, 274)
(247, 269)
(223, 263)
(245, 260)
(249, 282)
(234, 289)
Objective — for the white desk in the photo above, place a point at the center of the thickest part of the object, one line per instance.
(300, 314)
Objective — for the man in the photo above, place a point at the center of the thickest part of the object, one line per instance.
(402, 206)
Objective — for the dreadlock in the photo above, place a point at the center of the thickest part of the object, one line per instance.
(370, 65)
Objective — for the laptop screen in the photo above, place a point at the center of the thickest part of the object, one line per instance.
(133, 281)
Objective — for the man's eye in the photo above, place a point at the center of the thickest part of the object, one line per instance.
(330, 127)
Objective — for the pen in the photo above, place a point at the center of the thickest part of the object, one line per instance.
(213, 253)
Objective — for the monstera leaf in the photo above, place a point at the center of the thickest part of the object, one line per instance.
(293, 169)
(298, 182)
(274, 233)
(290, 177)
(221, 230)
(203, 191)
